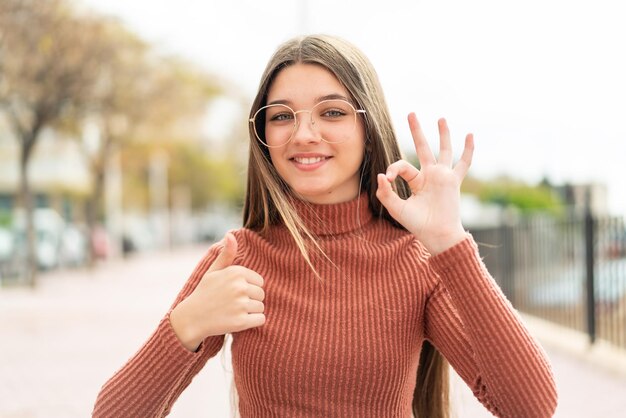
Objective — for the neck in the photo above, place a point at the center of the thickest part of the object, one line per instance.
(335, 218)
(329, 198)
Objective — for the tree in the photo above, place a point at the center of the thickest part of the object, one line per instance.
(143, 98)
(524, 197)
(118, 104)
(49, 69)
(208, 179)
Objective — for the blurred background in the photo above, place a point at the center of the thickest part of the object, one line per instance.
(123, 146)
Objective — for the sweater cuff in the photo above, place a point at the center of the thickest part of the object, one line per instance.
(460, 262)
(465, 276)
(175, 348)
(456, 255)
(170, 346)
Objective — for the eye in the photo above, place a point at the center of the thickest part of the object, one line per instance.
(333, 110)
(333, 113)
(282, 116)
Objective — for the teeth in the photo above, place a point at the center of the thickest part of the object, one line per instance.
(309, 160)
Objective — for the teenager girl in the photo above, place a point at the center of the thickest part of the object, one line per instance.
(351, 266)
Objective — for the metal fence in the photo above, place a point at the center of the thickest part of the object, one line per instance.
(569, 270)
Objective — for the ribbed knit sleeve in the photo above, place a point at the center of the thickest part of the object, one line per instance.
(475, 327)
(149, 383)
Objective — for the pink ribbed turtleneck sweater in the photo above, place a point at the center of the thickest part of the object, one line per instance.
(348, 344)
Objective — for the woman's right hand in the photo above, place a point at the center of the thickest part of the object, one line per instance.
(228, 299)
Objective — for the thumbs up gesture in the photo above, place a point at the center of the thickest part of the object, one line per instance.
(229, 298)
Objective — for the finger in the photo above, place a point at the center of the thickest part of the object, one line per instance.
(422, 149)
(445, 146)
(405, 170)
(249, 320)
(255, 306)
(253, 277)
(227, 255)
(463, 165)
(255, 320)
(255, 292)
(388, 197)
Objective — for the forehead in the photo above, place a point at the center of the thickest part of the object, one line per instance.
(304, 84)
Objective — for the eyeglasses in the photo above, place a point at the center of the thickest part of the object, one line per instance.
(275, 125)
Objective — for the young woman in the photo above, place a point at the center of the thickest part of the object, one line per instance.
(351, 266)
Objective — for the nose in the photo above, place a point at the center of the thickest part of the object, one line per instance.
(305, 130)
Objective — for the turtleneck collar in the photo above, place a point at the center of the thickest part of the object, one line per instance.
(337, 218)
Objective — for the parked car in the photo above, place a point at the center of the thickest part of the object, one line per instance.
(212, 226)
(7, 248)
(57, 242)
(6, 244)
(74, 246)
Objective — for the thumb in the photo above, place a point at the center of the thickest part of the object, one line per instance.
(227, 255)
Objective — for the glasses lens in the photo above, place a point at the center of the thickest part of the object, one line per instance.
(335, 119)
(274, 125)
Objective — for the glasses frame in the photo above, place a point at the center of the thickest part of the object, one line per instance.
(295, 120)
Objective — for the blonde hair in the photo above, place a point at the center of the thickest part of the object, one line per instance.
(268, 199)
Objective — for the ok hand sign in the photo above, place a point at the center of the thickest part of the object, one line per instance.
(432, 212)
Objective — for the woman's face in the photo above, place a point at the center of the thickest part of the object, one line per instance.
(321, 172)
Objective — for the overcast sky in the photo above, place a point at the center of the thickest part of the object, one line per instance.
(540, 83)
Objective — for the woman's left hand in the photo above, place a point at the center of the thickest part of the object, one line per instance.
(432, 212)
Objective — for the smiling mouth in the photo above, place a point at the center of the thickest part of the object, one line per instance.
(310, 160)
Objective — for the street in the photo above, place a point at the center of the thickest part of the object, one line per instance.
(60, 342)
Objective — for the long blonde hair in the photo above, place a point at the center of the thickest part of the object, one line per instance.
(268, 198)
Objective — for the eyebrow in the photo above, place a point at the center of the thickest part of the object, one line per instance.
(333, 96)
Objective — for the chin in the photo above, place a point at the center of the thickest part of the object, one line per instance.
(309, 187)
(313, 194)
(325, 196)
(324, 192)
